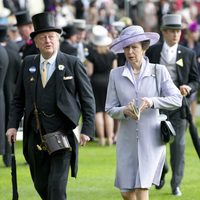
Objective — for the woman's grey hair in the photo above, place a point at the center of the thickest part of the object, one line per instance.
(145, 44)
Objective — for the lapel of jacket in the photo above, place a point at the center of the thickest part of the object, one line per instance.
(157, 53)
(179, 64)
(34, 75)
(126, 73)
(61, 71)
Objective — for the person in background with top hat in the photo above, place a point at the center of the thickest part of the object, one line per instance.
(5, 38)
(27, 45)
(69, 43)
(82, 40)
(25, 27)
(13, 35)
(139, 84)
(182, 66)
(52, 91)
(9, 82)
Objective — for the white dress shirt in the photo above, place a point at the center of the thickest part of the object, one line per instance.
(170, 52)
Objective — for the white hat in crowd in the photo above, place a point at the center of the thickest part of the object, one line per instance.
(100, 36)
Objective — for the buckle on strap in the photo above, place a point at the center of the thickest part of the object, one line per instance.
(41, 147)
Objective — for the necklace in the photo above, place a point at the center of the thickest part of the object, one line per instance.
(136, 73)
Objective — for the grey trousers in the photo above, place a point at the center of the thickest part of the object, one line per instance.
(177, 148)
(177, 151)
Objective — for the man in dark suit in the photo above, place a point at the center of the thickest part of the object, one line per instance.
(10, 81)
(69, 43)
(3, 69)
(182, 66)
(59, 94)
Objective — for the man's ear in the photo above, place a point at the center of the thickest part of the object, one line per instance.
(35, 40)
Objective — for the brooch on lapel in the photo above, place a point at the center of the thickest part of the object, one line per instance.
(67, 78)
(61, 67)
(180, 62)
(32, 79)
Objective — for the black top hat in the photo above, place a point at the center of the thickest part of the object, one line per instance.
(23, 18)
(3, 33)
(69, 31)
(44, 22)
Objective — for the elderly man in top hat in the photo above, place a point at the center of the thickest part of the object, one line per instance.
(182, 66)
(52, 91)
(25, 27)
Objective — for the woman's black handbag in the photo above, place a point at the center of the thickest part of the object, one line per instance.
(167, 131)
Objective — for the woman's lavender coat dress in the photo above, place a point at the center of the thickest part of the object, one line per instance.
(140, 151)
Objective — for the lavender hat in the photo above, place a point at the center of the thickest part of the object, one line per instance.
(131, 35)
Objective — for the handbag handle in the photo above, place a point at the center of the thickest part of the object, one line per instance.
(155, 70)
(159, 94)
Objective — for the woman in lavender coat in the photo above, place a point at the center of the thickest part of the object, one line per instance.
(140, 150)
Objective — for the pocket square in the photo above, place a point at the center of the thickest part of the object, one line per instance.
(67, 78)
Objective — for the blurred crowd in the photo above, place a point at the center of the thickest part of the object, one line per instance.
(89, 26)
(112, 14)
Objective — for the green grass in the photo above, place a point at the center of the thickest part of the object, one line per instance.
(95, 179)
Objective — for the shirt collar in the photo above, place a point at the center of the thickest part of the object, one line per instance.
(141, 69)
(167, 47)
(50, 60)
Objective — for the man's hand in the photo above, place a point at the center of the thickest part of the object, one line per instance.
(185, 90)
(84, 139)
(11, 135)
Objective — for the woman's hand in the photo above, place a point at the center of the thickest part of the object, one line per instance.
(146, 103)
(131, 111)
